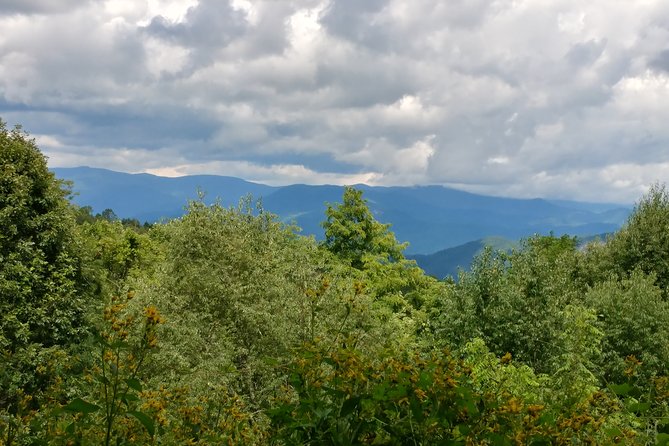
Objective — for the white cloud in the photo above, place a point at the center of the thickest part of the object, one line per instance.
(557, 98)
(273, 175)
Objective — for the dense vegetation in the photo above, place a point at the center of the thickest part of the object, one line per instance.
(228, 327)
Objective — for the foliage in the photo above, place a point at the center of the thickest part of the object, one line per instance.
(634, 319)
(42, 307)
(514, 302)
(114, 252)
(268, 337)
(644, 241)
(114, 382)
(111, 400)
(342, 397)
(352, 232)
(240, 290)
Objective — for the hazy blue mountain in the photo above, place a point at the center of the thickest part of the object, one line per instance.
(430, 218)
(447, 262)
(149, 197)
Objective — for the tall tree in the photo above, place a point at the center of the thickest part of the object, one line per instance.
(40, 306)
(352, 232)
(643, 243)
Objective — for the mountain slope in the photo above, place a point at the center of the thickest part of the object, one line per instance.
(448, 262)
(149, 197)
(428, 217)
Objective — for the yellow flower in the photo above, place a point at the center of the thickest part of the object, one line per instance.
(152, 315)
(420, 394)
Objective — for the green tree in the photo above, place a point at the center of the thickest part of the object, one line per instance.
(398, 286)
(108, 214)
(352, 232)
(40, 303)
(237, 287)
(643, 242)
(514, 302)
(635, 321)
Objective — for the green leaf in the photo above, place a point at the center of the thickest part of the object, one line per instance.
(398, 392)
(129, 397)
(281, 412)
(463, 429)
(349, 406)
(102, 379)
(81, 406)
(134, 384)
(270, 361)
(123, 345)
(662, 439)
(146, 421)
(620, 389)
(416, 409)
(613, 432)
(638, 407)
(295, 380)
(380, 392)
(322, 412)
(334, 392)
(498, 439)
(426, 379)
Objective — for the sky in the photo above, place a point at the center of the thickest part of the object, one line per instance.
(525, 98)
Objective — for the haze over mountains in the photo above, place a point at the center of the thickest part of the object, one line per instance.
(430, 218)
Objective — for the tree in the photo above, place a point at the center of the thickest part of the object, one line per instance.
(635, 321)
(643, 243)
(352, 232)
(108, 214)
(515, 302)
(40, 305)
(237, 287)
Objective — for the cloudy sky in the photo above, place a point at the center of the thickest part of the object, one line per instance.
(526, 98)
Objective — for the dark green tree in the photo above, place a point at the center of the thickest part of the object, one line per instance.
(40, 304)
(352, 232)
(108, 214)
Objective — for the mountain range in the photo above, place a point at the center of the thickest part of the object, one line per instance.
(430, 218)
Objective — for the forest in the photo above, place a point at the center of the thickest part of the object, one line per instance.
(226, 326)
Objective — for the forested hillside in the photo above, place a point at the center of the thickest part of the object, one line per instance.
(225, 326)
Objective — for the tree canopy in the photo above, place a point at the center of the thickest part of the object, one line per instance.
(42, 303)
(352, 232)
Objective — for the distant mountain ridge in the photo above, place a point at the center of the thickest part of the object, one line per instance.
(430, 218)
(449, 261)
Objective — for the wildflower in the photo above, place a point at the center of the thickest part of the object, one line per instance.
(153, 317)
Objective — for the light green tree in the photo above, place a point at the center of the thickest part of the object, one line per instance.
(352, 232)
(238, 287)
